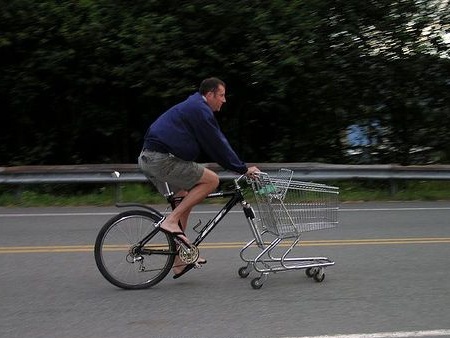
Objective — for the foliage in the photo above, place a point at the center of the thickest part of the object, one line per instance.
(81, 80)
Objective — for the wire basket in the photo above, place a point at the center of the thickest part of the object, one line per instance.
(287, 207)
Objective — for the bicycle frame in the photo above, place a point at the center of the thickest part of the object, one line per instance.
(236, 197)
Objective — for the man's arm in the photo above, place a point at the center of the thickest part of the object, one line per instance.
(215, 144)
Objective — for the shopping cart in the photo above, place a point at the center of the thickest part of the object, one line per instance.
(285, 208)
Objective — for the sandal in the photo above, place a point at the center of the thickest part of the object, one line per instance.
(182, 272)
(188, 267)
(176, 235)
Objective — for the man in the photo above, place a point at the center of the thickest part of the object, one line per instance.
(172, 144)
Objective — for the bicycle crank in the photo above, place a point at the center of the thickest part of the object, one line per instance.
(188, 254)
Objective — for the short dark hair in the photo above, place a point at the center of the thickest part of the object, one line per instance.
(210, 84)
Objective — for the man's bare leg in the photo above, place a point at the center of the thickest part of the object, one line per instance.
(206, 185)
(178, 264)
(184, 218)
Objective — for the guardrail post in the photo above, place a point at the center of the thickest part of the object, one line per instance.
(18, 191)
(393, 186)
(117, 187)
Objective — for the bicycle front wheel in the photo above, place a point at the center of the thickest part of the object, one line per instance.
(124, 259)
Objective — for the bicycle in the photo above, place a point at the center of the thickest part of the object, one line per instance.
(132, 252)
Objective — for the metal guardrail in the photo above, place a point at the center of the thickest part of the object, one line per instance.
(103, 173)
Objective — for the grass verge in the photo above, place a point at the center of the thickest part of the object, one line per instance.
(71, 195)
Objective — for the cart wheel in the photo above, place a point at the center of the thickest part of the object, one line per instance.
(319, 276)
(243, 273)
(256, 283)
(310, 272)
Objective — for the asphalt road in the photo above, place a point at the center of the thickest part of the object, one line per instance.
(391, 279)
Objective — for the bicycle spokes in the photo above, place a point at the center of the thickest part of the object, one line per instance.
(131, 254)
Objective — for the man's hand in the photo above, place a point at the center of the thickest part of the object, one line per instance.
(252, 171)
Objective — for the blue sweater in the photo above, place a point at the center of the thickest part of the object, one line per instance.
(189, 128)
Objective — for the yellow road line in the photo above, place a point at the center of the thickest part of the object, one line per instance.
(231, 245)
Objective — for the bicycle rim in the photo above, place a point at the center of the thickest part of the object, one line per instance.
(124, 264)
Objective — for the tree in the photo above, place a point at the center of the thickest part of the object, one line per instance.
(77, 74)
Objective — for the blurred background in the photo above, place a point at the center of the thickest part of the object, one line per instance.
(346, 81)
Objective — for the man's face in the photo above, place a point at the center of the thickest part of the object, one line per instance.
(216, 98)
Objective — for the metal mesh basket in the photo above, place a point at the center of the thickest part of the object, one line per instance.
(286, 207)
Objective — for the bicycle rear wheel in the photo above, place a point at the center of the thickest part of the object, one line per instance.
(124, 260)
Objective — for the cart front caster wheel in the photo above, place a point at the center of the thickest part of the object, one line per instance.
(319, 276)
(256, 283)
(243, 272)
(310, 272)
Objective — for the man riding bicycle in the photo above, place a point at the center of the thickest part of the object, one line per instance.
(173, 143)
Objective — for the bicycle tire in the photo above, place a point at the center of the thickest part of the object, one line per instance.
(123, 263)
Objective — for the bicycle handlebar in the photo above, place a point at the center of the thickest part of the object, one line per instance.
(249, 178)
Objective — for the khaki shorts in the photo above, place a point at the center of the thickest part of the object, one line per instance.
(160, 168)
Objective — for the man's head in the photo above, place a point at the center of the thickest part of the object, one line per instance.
(213, 89)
